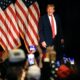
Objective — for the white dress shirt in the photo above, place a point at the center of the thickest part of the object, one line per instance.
(55, 26)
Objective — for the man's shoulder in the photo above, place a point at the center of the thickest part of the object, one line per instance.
(43, 16)
(57, 15)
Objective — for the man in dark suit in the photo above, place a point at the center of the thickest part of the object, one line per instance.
(50, 29)
(50, 38)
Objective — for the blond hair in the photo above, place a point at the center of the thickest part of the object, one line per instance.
(50, 5)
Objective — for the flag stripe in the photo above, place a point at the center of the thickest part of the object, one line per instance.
(32, 33)
(33, 28)
(4, 26)
(37, 9)
(4, 42)
(10, 30)
(22, 8)
(6, 36)
(28, 17)
(11, 27)
(33, 16)
(14, 20)
(21, 19)
(21, 16)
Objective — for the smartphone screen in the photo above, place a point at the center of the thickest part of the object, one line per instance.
(31, 59)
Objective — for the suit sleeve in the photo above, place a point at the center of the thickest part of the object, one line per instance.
(60, 33)
(41, 30)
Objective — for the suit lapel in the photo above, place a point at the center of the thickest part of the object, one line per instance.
(47, 21)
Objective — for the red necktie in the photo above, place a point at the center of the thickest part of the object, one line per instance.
(52, 27)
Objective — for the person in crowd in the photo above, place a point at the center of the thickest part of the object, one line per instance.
(31, 66)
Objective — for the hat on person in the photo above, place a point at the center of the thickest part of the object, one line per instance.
(16, 55)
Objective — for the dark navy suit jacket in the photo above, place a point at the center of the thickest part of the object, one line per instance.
(45, 31)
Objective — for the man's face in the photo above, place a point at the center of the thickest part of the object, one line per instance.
(50, 10)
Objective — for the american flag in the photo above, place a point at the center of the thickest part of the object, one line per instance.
(28, 14)
(9, 31)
